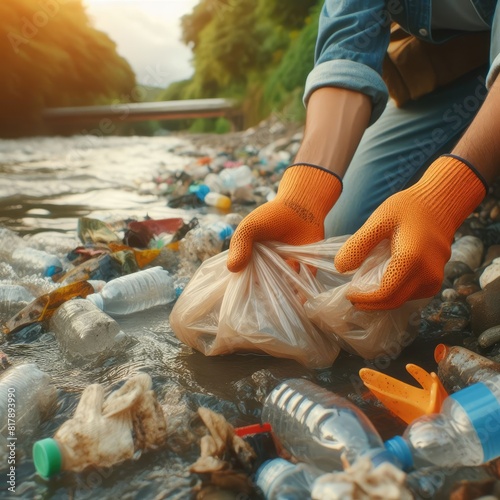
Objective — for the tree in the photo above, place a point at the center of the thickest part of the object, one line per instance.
(52, 56)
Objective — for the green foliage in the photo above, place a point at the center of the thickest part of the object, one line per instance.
(52, 56)
(258, 51)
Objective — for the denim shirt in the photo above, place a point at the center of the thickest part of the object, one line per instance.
(353, 37)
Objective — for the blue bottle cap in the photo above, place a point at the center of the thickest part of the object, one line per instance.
(399, 448)
(200, 190)
(51, 270)
(483, 410)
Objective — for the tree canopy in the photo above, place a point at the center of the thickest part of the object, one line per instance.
(52, 56)
(257, 50)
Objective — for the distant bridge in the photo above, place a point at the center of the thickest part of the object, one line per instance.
(142, 111)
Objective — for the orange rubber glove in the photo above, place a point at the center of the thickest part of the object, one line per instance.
(296, 216)
(420, 222)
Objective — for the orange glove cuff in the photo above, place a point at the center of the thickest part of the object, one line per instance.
(310, 191)
(452, 189)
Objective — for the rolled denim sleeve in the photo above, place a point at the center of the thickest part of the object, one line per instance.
(353, 36)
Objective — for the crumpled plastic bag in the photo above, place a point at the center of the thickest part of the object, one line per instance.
(106, 432)
(260, 309)
(305, 316)
(367, 333)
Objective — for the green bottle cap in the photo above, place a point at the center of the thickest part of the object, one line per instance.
(47, 457)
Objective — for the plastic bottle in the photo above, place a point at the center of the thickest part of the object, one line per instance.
(233, 178)
(210, 198)
(458, 367)
(83, 330)
(135, 292)
(318, 426)
(14, 295)
(26, 397)
(30, 260)
(281, 480)
(465, 433)
(205, 241)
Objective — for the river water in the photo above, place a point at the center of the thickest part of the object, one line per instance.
(46, 185)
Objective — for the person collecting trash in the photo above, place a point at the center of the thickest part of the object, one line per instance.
(410, 170)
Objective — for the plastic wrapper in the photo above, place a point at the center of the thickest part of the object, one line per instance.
(269, 307)
(367, 333)
(260, 309)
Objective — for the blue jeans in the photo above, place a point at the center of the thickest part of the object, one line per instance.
(400, 145)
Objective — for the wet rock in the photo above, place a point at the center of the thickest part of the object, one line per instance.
(492, 253)
(490, 273)
(449, 295)
(466, 285)
(485, 312)
(446, 316)
(455, 269)
(489, 337)
(472, 226)
(468, 249)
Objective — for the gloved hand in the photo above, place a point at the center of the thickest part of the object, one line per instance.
(420, 222)
(296, 216)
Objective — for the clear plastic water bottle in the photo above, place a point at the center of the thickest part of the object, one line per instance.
(27, 396)
(281, 480)
(31, 261)
(465, 433)
(135, 292)
(205, 241)
(318, 426)
(211, 198)
(234, 178)
(459, 367)
(83, 330)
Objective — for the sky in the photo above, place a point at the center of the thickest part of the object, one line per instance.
(147, 34)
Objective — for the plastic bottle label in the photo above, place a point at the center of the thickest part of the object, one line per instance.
(483, 410)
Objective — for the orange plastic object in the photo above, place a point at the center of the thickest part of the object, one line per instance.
(407, 401)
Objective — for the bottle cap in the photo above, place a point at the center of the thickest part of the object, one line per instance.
(269, 471)
(96, 299)
(398, 447)
(47, 457)
(51, 270)
(483, 410)
(201, 190)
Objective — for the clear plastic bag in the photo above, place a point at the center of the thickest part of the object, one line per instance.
(367, 333)
(270, 308)
(260, 309)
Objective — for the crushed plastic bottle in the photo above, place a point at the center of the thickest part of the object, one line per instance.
(13, 297)
(459, 367)
(205, 241)
(103, 432)
(136, 292)
(83, 330)
(318, 426)
(31, 261)
(281, 480)
(465, 433)
(30, 393)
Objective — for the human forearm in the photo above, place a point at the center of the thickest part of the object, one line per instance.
(480, 145)
(335, 122)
